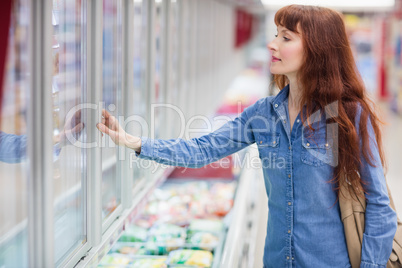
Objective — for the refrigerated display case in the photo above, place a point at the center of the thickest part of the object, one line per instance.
(69, 163)
(198, 223)
(214, 213)
(112, 101)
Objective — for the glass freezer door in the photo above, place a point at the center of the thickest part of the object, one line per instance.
(14, 164)
(69, 160)
(112, 76)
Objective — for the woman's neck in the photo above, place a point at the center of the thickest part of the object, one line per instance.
(294, 96)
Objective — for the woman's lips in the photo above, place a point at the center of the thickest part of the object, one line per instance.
(275, 59)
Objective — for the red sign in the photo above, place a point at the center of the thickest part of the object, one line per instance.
(5, 14)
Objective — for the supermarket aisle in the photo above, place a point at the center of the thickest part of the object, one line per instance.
(393, 148)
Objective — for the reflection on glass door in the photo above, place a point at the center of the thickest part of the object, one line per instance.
(69, 163)
(112, 40)
(140, 93)
(186, 89)
(159, 94)
(13, 144)
(174, 54)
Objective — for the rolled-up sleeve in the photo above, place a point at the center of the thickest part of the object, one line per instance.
(380, 218)
(198, 152)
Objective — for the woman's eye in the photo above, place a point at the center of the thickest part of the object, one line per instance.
(286, 39)
(276, 35)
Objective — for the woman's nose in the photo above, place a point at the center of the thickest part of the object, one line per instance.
(271, 46)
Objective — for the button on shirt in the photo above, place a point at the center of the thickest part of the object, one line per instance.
(304, 225)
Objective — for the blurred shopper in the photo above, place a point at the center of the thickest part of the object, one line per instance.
(13, 148)
(319, 131)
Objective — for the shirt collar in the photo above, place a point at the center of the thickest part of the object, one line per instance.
(282, 96)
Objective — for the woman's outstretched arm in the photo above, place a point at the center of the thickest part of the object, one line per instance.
(197, 152)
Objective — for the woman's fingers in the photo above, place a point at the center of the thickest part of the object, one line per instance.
(78, 128)
(109, 120)
(105, 113)
(102, 128)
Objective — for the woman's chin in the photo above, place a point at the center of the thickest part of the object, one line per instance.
(273, 71)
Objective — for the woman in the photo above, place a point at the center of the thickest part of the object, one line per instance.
(320, 126)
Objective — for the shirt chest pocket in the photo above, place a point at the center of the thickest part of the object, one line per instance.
(317, 152)
(268, 146)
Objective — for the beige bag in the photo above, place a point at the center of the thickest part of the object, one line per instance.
(352, 213)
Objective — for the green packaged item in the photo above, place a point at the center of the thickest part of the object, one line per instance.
(115, 259)
(163, 248)
(149, 262)
(164, 238)
(130, 248)
(203, 240)
(134, 233)
(198, 258)
(166, 231)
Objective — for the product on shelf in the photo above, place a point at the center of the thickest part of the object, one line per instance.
(204, 233)
(205, 225)
(166, 231)
(198, 258)
(134, 233)
(164, 238)
(203, 240)
(118, 260)
(115, 259)
(146, 221)
(182, 220)
(221, 200)
(178, 203)
(149, 262)
(130, 248)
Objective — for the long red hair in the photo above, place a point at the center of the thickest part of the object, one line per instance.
(329, 75)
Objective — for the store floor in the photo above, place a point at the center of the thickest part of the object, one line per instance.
(392, 137)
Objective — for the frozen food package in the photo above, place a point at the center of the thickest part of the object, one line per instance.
(183, 266)
(164, 238)
(149, 262)
(134, 233)
(115, 259)
(205, 225)
(203, 240)
(130, 248)
(165, 231)
(198, 258)
(146, 221)
(221, 201)
(163, 248)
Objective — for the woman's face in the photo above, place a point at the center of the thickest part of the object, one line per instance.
(287, 53)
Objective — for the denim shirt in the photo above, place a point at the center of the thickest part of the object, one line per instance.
(12, 148)
(304, 225)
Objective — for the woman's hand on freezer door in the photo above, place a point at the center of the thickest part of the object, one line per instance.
(111, 127)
